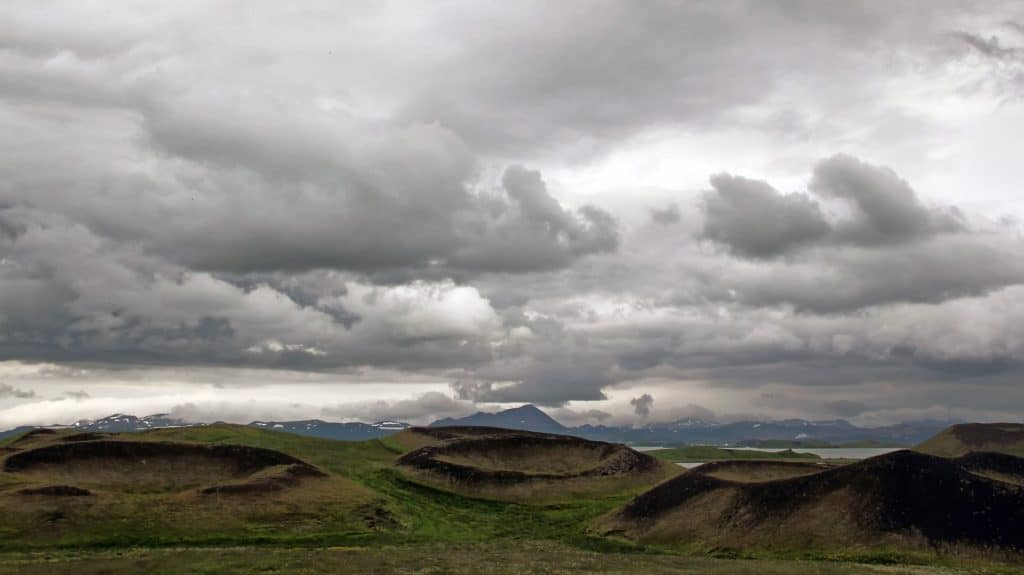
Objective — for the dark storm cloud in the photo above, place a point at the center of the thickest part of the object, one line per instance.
(357, 203)
(849, 279)
(848, 261)
(642, 405)
(755, 220)
(528, 229)
(886, 209)
(239, 190)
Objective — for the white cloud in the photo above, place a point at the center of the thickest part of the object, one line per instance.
(422, 310)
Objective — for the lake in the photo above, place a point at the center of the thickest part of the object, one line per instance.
(689, 464)
(823, 452)
(833, 452)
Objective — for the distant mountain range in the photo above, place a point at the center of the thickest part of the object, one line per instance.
(699, 431)
(530, 418)
(835, 432)
(117, 423)
(332, 430)
(120, 423)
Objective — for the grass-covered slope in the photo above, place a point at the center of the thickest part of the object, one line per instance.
(364, 496)
(967, 437)
(172, 486)
(513, 465)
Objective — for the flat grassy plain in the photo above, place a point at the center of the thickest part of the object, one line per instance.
(368, 516)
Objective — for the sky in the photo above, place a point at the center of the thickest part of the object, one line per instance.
(623, 212)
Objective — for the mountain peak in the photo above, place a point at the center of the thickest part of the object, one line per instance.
(526, 417)
(526, 408)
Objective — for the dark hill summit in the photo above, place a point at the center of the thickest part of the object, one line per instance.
(1000, 466)
(903, 498)
(527, 418)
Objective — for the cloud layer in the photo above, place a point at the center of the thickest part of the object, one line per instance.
(834, 213)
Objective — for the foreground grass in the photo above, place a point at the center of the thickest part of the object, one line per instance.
(493, 558)
(692, 453)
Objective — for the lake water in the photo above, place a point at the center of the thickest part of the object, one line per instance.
(833, 452)
(823, 452)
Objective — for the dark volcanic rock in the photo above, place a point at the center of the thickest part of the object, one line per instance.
(86, 436)
(245, 459)
(56, 490)
(992, 461)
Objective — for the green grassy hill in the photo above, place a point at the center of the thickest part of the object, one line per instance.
(364, 497)
(972, 437)
(183, 486)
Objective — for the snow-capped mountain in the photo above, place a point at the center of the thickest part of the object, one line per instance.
(333, 430)
(119, 423)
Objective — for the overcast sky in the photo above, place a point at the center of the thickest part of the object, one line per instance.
(622, 211)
